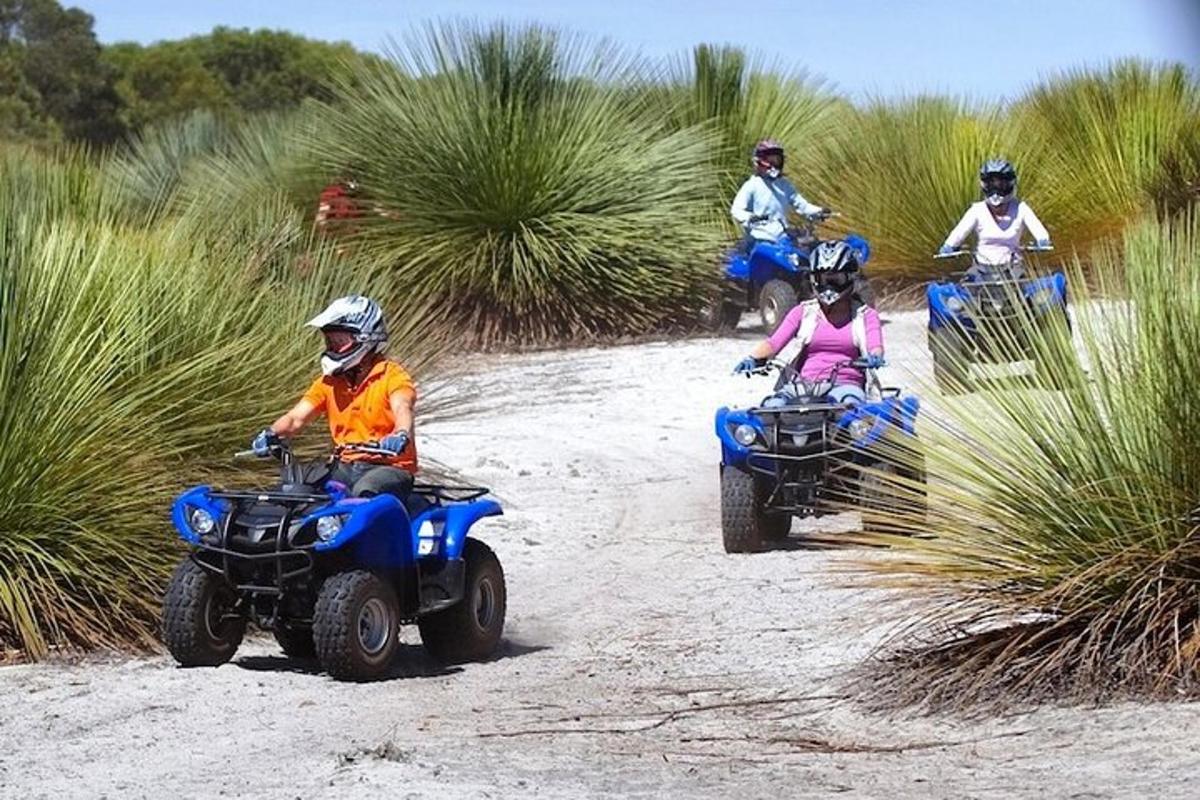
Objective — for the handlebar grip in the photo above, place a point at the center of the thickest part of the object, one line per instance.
(245, 454)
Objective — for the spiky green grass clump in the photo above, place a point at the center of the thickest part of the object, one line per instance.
(133, 360)
(741, 101)
(1112, 144)
(902, 173)
(1066, 524)
(515, 184)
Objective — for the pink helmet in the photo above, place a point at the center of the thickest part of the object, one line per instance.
(768, 158)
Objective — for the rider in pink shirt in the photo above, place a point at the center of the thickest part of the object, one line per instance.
(832, 329)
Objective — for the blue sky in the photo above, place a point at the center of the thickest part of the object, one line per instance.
(864, 47)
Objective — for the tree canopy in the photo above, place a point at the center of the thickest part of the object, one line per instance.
(57, 82)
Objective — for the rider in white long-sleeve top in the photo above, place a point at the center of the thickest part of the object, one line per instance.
(999, 220)
(761, 205)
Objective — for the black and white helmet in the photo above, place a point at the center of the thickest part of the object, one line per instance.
(997, 181)
(353, 327)
(833, 269)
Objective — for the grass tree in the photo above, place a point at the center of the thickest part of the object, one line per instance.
(1063, 531)
(522, 190)
(133, 359)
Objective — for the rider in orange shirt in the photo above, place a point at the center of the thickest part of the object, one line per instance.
(366, 397)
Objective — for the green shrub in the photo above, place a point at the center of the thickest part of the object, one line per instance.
(523, 191)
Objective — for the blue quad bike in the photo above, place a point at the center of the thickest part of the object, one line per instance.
(333, 576)
(813, 456)
(986, 316)
(773, 278)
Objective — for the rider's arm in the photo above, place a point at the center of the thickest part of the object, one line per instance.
(961, 230)
(401, 402)
(301, 414)
(801, 205)
(741, 210)
(874, 332)
(783, 334)
(1036, 229)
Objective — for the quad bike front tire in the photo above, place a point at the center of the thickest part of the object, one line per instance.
(745, 528)
(776, 299)
(470, 629)
(295, 641)
(356, 626)
(949, 361)
(720, 315)
(895, 507)
(198, 623)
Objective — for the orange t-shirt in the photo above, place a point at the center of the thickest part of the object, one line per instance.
(362, 414)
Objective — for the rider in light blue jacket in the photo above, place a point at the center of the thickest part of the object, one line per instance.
(761, 204)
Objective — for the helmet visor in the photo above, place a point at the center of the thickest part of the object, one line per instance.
(836, 281)
(339, 341)
(998, 184)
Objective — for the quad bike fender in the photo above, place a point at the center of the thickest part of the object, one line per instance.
(181, 510)
(1046, 292)
(737, 268)
(895, 412)
(940, 297)
(733, 453)
(376, 531)
(860, 246)
(442, 530)
(770, 261)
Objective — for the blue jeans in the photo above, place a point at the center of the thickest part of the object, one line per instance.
(842, 393)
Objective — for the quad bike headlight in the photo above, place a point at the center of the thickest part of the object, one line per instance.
(745, 435)
(201, 521)
(859, 428)
(1043, 298)
(429, 536)
(329, 527)
(955, 305)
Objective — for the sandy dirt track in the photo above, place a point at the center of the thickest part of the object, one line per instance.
(640, 661)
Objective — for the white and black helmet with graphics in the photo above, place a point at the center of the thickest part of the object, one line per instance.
(834, 266)
(353, 328)
(997, 181)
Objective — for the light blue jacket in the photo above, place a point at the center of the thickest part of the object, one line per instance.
(761, 196)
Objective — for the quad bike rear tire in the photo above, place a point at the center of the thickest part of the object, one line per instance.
(198, 627)
(745, 527)
(295, 641)
(356, 626)
(470, 630)
(949, 361)
(776, 299)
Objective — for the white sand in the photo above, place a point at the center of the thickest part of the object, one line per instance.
(641, 660)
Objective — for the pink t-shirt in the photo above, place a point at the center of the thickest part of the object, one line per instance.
(830, 344)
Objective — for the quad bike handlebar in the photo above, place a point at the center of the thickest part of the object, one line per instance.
(1029, 248)
(778, 365)
(282, 449)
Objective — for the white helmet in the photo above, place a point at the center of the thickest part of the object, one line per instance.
(354, 328)
(997, 181)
